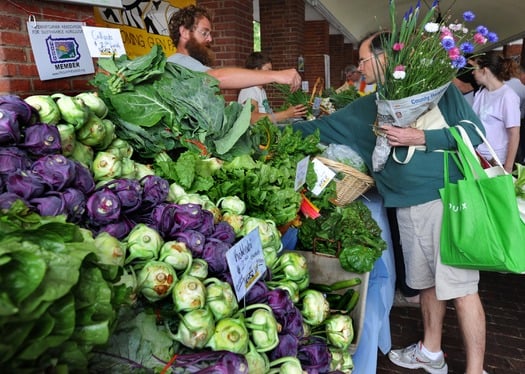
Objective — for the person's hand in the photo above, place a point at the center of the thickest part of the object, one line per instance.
(290, 77)
(297, 111)
(403, 136)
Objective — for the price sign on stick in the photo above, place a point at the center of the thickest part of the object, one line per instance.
(246, 263)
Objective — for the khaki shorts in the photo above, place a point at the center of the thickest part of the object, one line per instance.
(419, 229)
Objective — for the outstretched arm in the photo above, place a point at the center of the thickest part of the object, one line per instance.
(236, 78)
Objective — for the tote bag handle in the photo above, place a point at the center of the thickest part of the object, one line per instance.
(467, 141)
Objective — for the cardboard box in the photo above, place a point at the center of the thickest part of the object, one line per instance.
(326, 269)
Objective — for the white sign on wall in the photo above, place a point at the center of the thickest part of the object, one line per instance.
(104, 41)
(60, 49)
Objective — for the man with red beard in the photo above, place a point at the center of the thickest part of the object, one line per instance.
(190, 29)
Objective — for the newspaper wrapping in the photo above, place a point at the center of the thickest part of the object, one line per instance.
(401, 113)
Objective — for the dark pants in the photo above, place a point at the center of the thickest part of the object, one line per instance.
(398, 255)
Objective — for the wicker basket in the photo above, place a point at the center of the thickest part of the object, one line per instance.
(353, 185)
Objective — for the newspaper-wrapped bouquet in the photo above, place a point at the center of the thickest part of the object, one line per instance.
(423, 53)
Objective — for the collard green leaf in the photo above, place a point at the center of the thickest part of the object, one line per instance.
(144, 106)
(227, 140)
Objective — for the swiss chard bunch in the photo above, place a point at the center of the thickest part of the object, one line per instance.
(352, 228)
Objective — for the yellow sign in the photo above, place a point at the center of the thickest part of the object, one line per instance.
(142, 23)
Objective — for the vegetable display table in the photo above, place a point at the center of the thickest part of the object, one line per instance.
(380, 296)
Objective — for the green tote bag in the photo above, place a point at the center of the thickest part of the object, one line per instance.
(481, 227)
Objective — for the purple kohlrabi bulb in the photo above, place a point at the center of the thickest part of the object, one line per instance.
(193, 239)
(22, 110)
(75, 204)
(84, 180)
(9, 128)
(42, 139)
(119, 229)
(56, 170)
(223, 231)
(8, 198)
(207, 222)
(155, 190)
(214, 253)
(103, 207)
(163, 220)
(13, 159)
(189, 217)
(314, 355)
(25, 183)
(50, 204)
(129, 192)
(287, 346)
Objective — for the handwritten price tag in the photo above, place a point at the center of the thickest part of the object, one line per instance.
(324, 176)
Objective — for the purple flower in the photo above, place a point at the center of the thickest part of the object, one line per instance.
(448, 43)
(469, 16)
(492, 37)
(467, 47)
(482, 30)
(459, 62)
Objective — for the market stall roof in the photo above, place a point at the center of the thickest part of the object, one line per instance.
(356, 18)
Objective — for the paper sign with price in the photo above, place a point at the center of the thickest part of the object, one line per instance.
(246, 263)
(324, 176)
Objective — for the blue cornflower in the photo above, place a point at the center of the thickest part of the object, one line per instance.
(448, 43)
(459, 62)
(469, 16)
(492, 37)
(466, 47)
(482, 30)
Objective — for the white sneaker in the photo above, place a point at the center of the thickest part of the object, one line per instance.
(412, 358)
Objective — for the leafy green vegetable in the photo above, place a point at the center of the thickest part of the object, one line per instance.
(158, 106)
(353, 227)
(56, 303)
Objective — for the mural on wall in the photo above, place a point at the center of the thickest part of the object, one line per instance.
(142, 23)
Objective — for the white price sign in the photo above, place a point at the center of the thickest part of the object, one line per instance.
(246, 263)
(324, 176)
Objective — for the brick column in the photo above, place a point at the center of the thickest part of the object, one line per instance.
(232, 33)
(282, 35)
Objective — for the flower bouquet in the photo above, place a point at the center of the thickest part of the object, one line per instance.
(422, 58)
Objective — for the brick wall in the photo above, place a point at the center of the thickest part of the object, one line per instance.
(18, 73)
(232, 33)
(282, 36)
